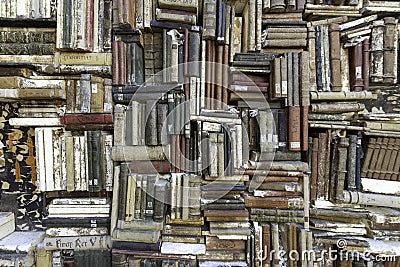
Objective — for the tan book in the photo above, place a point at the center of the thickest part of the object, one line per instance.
(214, 243)
(175, 16)
(74, 58)
(190, 5)
(131, 153)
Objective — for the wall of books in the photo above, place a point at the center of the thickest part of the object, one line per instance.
(200, 133)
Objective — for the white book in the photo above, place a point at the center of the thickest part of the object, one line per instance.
(115, 199)
(75, 231)
(77, 242)
(213, 155)
(35, 122)
(84, 159)
(239, 146)
(216, 119)
(57, 163)
(183, 248)
(96, 28)
(80, 201)
(77, 163)
(193, 96)
(7, 224)
(173, 195)
(80, 20)
(12, 7)
(381, 186)
(46, 8)
(63, 163)
(179, 196)
(49, 158)
(21, 242)
(108, 162)
(202, 80)
(23, 8)
(40, 160)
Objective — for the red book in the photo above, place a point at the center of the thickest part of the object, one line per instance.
(87, 118)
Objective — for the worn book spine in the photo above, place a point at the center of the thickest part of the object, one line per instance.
(376, 67)
(355, 68)
(341, 168)
(390, 40)
(334, 46)
(87, 118)
(321, 162)
(294, 131)
(209, 19)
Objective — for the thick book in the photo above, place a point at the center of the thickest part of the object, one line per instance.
(77, 242)
(87, 118)
(274, 202)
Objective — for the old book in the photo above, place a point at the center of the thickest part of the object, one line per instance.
(334, 49)
(376, 67)
(276, 84)
(371, 199)
(132, 235)
(75, 231)
(340, 174)
(390, 47)
(356, 77)
(294, 132)
(78, 242)
(175, 16)
(274, 202)
(82, 222)
(7, 223)
(132, 153)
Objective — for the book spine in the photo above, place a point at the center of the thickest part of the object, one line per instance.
(294, 133)
(390, 37)
(334, 45)
(351, 162)
(376, 67)
(366, 62)
(209, 19)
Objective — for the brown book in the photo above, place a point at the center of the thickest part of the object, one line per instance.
(214, 243)
(304, 128)
(341, 168)
(294, 128)
(274, 202)
(386, 172)
(334, 52)
(365, 63)
(368, 156)
(115, 60)
(218, 76)
(355, 68)
(396, 160)
(270, 179)
(87, 118)
(226, 213)
(314, 168)
(266, 245)
(379, 155)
